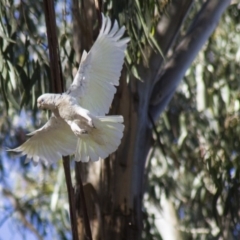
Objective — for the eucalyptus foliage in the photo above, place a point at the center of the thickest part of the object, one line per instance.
(197, 167)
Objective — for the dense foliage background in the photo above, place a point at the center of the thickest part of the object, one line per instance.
(193, 169)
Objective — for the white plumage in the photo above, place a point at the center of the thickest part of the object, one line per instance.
(49, 143)
(100, 69)
(78, 124)
(104, 140)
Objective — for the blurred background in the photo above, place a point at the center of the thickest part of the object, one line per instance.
(187, 177)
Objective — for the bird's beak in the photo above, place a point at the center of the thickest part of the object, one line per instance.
(38, 104)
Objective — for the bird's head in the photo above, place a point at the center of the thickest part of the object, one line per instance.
(47, 101)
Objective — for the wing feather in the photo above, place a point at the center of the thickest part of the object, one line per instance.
(114, 29)
(100, 69)
(49, 143)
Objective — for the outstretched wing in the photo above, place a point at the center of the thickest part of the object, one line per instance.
(100, 69)
(49, 143)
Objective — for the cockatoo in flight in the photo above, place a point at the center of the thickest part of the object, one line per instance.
(78, 123)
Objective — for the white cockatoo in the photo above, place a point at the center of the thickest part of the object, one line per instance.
(78, 123)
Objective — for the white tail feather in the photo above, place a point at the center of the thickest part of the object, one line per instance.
(103, 140)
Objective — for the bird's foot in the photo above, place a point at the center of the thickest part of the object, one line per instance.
(82, 132)
(90, 123)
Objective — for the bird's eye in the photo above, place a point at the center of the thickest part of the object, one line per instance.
(40, 101)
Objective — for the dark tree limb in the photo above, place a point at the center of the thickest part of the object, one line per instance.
(81, 205)
(55, 64)
(71, 197)
(57, 87)
(174, 70)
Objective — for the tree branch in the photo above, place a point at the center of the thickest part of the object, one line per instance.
(57, 87)
(81, 205)
(172, 73)
(71, 197)
(168, 30)
(166, 33)
(55, 64)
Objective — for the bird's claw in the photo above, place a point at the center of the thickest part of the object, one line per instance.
(82, 132)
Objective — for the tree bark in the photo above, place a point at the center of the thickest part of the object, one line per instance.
(114, 186)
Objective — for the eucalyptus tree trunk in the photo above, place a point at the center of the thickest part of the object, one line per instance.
(114, 187)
